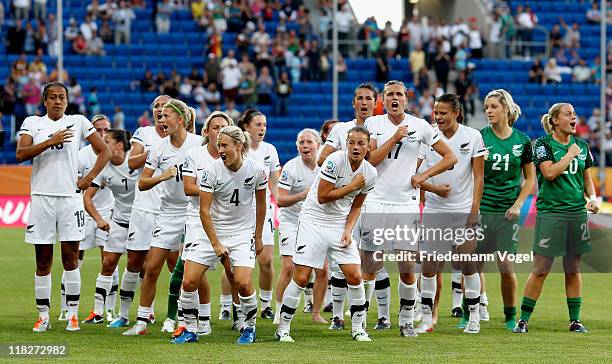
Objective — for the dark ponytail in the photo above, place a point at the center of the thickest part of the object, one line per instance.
(121, 136)
(247, 116)
(453, 101)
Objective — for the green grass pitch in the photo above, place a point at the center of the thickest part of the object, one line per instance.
(547, 341)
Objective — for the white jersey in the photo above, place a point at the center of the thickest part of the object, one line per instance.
(164, 156)
(122, 182)
(295, 178)
(233, 195)
(103, 200)
(339, 133)
(196, 161)
(466, 143)
(400, 165)
(267, 155)
(148, 201)
(55, 171)
(337, 170)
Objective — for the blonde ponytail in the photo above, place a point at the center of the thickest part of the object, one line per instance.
(239, 136)
(553, 113)
(504, 97)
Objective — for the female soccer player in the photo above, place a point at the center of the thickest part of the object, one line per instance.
(296, 178)
(452, 201)
(56, 211)
(396, 140)
(254, 122)
(196, 161)
(121, 181)
(562, 229)
(168, 156)
(325, 227)
(144, 212)
(228, 188)
(508, 154)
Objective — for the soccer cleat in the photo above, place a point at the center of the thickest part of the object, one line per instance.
(185, 337)
(361, 335)
(328, 308)
(457, 312)
(521, 327)
(225, 315)
(308, 307)
(179, 331)
(93, 318)
(473, 327)
(462, 323)
(168, 325)
(510, 324)
(247, 337)
(42, 325)
(408, 330)
(151, 319)
(267, 313)
(424, 328)
(110, 315)
(337, 324)
(383, 324)
(237, 325)
(484, 313)
(577, 326)
(204, 328)
(283, 337)
(73, 324)
(139, 328)
(119, 322)
(63, 315)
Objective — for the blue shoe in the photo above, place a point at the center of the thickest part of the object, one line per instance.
(462, 323)
(185, 337)
(119, 322)
(247, 337)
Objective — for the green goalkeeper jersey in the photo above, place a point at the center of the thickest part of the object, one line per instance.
(566, 192)
(502, 169)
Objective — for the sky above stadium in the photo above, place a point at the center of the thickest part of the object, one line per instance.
(391, 10)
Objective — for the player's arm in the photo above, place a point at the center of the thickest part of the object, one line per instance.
(274, 176)
(261, 205)
(104, 155)
(478, 173)
(190, 187)
(327, 191)
(285, 199)
(327, 150)
(91, 208)
(148, 181)
(528, 183)
(448, 160)
(26, 149)
(441, 190)
(351, 219)
(207, 224)
(137, 156)
(551, 170)
(378, 154)
(589, 189)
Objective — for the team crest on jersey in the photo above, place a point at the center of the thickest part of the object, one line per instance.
(465, 148)
(411, 137)
(330, 167)
(248, 183)
(582, 157)
(517, 150)
(109, 181)
(540, 151)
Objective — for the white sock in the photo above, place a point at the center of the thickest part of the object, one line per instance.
(226, 302)
(456, 286)
(429, 286)
(291, 300)
(249, 307)
(103, 287)
(153, 308)
(238, 314)
(382, 290)
(339, 288)
(483, 299)
(407, 295)
(189, 302)
(63, 306)
(142, 315)
(129, 281)
(42, 292)
(472, 295)
(111, 297)
(309, 289)
(357, 301)
(328, 296)
(204, 312)
(265, 297)
(368, 286)
(73, 291)
(179, 314)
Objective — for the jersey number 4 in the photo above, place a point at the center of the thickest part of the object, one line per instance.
(235, 199)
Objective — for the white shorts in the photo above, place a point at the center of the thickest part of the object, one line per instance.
(55, 218)
(442, 231)
(117, 238)
(241, 250)
(377, 218)
(314, 242)
(169, 231)
(286, 237)
(140, 232)
(93, 236)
